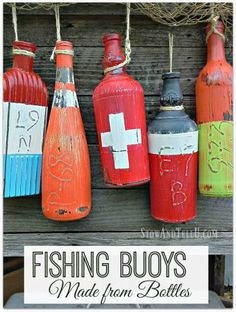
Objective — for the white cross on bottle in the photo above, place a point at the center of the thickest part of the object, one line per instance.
(119, 138)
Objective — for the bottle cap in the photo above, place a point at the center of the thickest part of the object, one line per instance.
(64, 45)
(170, 75)
(111, 36)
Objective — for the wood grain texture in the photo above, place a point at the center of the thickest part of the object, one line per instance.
(86, 30)
(220, 245)
(147, 66)
(119, 210)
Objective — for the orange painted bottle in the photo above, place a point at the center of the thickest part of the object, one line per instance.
(214, 108)
(66, 181)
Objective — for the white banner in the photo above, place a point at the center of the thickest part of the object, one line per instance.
(23, 128)
(173, 143)
(116, 275)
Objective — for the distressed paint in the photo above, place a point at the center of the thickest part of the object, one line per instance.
(173, 187)
(23, 136)
(66, 181)
(126, 162)
(216, 158)
(24, 122)
(173, 175)
(214, 107)
(119, 139)
(173, 144)
(173, 156)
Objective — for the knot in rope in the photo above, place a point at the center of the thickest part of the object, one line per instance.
(23, 52)
(127, 44)
(214, 22)
(169, 108)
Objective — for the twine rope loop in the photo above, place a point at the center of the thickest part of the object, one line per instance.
(14, 21)
(58, 25)
(67, 52)
(214, 21)
(171, 44)
(168, 108)
(58, 30)
(23, 52)
(127, 44)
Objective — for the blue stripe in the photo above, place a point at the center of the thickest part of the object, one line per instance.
(23, 175)
(28, 174)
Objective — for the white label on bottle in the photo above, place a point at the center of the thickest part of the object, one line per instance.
(24, 131)
(173, 143)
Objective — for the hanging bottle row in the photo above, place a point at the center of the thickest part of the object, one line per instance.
(169, 153)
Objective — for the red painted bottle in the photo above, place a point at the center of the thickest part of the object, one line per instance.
(24, 119)
(173, 146)
(121, 123)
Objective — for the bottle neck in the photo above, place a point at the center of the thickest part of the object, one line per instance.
(23, 62)
(215, 48)
(171, 95)
(65, 93)
(113, 55)
(64, 72)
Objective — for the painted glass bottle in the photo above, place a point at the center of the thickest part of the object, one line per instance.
(24, 119)
(66, 190)
(173, 146)
(120, 120)
(214, 104)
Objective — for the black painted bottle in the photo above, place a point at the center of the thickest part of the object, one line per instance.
(173, 146)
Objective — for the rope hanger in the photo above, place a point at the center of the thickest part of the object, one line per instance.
(14, 22)
(127, 44)
(214, 21)
(171, 45)
(58, 34)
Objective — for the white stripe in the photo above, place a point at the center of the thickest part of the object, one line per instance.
(26, 128)
(173, 143)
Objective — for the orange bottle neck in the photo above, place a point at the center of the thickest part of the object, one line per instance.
(64, 60)
(65, 93)
(216, 51)
(64, 73)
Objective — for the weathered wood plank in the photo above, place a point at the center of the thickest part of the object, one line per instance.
(220, 245)
(147, 66)
(89, 31)
(115, 210)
